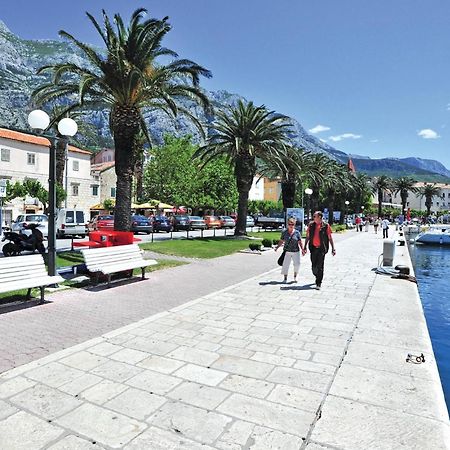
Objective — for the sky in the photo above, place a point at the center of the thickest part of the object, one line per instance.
(370, 78)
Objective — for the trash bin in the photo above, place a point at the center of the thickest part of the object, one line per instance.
(388, 252)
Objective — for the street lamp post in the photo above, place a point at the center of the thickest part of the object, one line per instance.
(39, 120)
(346, 210)
(308, 192)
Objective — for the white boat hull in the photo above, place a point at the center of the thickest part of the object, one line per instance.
(434, 237)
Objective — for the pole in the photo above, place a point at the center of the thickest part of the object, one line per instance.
(66, 166)
(51, 209)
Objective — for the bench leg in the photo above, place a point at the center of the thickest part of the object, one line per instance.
(143, 272)
(42, 293)
(29, 294)
(109, 280)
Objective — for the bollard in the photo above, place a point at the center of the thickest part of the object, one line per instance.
(388, 252)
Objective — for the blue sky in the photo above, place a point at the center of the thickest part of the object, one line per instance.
(374, 76)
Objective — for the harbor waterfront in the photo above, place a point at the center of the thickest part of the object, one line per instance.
(432, 269)
(257, 365)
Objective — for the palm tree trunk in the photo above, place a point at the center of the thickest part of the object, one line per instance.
(241, 224)
(245, 169)
(60, 159)
(139, 174)
(288, 194)
(380, 201)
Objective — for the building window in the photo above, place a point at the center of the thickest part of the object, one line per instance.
(113, 192)
(75, 189)
(95, 190)
(76, 166)
(6, 154)
(31, 159)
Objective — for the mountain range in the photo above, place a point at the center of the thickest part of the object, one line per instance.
(21, 58)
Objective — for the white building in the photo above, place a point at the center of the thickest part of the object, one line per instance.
(24, 156)
(257, 189)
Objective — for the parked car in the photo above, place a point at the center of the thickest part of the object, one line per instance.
(70, 222)
(273, 220)
(181, 222)
(101, 222)
(141, 224)
(162, 223)
(250, 221)
(196, 223)
(234, 217)
(21, 223)
(212, 221)
(227, 222)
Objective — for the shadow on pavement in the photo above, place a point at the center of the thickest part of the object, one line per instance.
(304, 287)
(21, 304)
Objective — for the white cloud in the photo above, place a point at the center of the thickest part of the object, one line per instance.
(427, 133)
(448, 106)
(323, 140)
(345, 136)
(319, 129)
(374, 140)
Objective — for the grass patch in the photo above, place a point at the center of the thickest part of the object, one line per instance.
(204, 248)
(64, 259)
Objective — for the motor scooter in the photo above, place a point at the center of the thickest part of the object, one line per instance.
(19, 242)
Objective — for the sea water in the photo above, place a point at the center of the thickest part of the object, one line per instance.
(432, 268)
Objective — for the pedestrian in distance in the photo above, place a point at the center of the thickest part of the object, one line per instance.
(385, 227)
(358, 222)
(376, 224)
(366, 225)
(318, 241)
(291, 241)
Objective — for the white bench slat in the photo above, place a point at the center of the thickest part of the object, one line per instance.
(25, 272)
(108, 260)
(31, 283)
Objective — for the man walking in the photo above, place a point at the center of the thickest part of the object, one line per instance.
(385, 227)
(318, 240)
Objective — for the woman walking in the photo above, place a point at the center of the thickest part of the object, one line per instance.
(291, 240)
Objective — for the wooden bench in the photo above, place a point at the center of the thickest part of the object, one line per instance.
(109, 260)
(25, 272)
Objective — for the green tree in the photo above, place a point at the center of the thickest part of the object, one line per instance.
(128, 79)
(428, 191)
(380, 185)
(404, 185)
(246, 133)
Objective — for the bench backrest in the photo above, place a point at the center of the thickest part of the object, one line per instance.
(16, 268)
(99, 257)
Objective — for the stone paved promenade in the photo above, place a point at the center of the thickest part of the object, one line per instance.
(259, 365)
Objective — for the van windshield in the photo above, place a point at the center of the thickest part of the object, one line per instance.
(80, 216)
(70, 217)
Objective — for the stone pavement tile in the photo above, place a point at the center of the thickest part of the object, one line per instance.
(326, 358)
(383, 428)
(6, 410)
(54, 374)
(13, 386)
(242, 366)
(312, 366)
(249, 386)
(381, 357)
(323, 348)
(316, 446)
(149, 345)
(74, 443)
(300, 378)
(193, 355)
(154, 382)
(136, 403)
(264, 438)
(105, 349)
(45, 401)
(202, 375)
(402, 393)
(236, 435)
(234, 351)
(160, 364)
(295, 353)
(198, 395)
(80, 384)
(102, 425)
(103, 391)
(276, 360)
(339, 326)
(298, 398)
(116, 371)
(268, 414)
(23, 431)
(83, 360)
(194, 423)
(157, 439)
(129, 356)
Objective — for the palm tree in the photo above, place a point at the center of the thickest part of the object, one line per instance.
(428, 191)
(380, 185)
(248, 132)
(315, 178)
(403, 185)
(127, 79)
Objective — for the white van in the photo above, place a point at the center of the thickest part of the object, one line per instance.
(70, 222)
